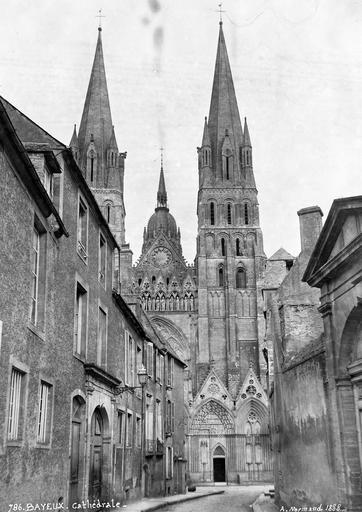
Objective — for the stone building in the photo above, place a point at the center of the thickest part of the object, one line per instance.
(73, 424)
(96, 152)
(212, 312)
(314, 393)
(335, 268)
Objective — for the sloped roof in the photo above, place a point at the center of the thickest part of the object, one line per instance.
(27, 130)
(333, 225)
(281, 255)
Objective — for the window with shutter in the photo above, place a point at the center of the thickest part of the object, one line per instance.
(150, 359)
(172, 416)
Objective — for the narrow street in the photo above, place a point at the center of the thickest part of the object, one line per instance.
(235, 499)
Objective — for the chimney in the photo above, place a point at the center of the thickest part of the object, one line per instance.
(310, 223)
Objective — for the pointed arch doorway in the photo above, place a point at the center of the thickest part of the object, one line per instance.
(218, 463)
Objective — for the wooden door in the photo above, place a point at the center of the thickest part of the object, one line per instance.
(95, 481)
(74, 463)
(219, 469)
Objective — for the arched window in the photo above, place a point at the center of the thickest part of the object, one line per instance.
(91, 166)
(221, 276)
(108, 211)
(139, 282)
(223, 250)
(238, 247)
(229, 213)
(212, 214)
(227, 167)
(246, 213)
(153, 279)
(240, 278)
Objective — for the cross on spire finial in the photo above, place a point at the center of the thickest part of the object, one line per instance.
(100, 16)
(220, 11)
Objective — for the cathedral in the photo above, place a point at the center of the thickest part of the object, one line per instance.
(210, 312)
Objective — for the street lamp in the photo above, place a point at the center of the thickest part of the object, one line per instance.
(142, 379)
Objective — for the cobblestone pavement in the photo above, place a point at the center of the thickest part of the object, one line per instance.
(235, 499)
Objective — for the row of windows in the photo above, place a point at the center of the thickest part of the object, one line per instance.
(229, 213)
(240, 277)
(38, 265)
(155, 363)
(16, 410)
(155, 426)
(227, 159)
(129, 429)
(82, 242)
(238, 250)
(92, 162)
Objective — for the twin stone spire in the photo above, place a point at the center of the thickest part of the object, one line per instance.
(96, 151)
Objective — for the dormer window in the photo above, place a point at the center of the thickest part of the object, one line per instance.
(48, 182)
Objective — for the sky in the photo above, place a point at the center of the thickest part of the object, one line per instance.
(297, 69)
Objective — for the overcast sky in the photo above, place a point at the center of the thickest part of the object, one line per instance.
(297, 69)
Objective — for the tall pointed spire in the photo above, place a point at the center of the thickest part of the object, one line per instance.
(161, 193)
(96, 118)
(224, 113)
(206, 136)
(246, 140)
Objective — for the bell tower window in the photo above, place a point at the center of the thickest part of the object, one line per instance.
(221, 275)
(246, 213)
(223, 251)
(240, 278)
(229, 213)
(212, 214)
(108, 211)
(91, 166)
(237, 247)
(227, 167)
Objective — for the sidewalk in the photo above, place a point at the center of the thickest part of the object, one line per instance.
(264, 504)
(149, 504)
